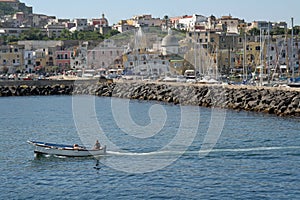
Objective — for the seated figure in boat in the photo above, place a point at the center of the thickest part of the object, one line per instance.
(76, 146)
(97, 145)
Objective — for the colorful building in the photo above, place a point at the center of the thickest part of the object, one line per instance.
(11, 57)
(63, 59)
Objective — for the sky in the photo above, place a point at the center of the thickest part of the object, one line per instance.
(115, 10)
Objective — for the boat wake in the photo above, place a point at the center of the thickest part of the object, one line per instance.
(115, 153)
(174, 153)
(254, 149)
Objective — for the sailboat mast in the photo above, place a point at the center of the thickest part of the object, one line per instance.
(245, 73)
(269, 57)
(261, 63)
(292, 50)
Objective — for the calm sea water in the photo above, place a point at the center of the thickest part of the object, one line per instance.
(256, 156)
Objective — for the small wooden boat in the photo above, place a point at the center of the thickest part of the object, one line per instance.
(65, 150)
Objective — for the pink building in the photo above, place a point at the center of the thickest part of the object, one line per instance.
(63, 59)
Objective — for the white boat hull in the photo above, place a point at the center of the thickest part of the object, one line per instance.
(67, 150)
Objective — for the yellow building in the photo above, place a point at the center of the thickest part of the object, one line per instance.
(41, 58)
(11, 58)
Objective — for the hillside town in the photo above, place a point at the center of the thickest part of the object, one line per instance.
(148, 47)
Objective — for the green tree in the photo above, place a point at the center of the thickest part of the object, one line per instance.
(278, 31)
(6, 9)
(32, 34)
(81, 35)
(254, 31)
(11, 38)
(111, 33)
(93, 35)
(75, 35)
(65, 35)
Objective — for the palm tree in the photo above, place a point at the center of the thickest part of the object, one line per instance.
(65, 34)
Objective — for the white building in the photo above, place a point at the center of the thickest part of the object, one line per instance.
(231, 24)
(106, 55)
(123, 26)
(80, 25)
(79, 57)
(29, 60)
(54, 30)
(192, 23)
(144, 20)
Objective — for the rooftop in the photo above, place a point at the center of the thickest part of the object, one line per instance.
(9, 1)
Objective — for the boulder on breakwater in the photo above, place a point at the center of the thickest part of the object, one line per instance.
(279, 101)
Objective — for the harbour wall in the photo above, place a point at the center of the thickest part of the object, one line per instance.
(278, 101)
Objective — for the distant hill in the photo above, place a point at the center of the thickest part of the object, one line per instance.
(10, 7)
(6, 9)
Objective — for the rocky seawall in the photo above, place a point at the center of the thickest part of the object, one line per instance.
(278, 101)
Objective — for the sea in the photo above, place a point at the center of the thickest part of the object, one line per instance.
(154, 151)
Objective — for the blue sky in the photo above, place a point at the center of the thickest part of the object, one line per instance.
(267, 10)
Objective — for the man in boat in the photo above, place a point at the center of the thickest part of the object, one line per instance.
(97, 145)
(76, 146)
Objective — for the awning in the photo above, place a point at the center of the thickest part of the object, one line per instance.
(282, 66)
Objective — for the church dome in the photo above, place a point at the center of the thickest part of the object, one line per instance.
(169, 40)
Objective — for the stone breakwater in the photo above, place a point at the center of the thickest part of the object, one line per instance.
(279, 101)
